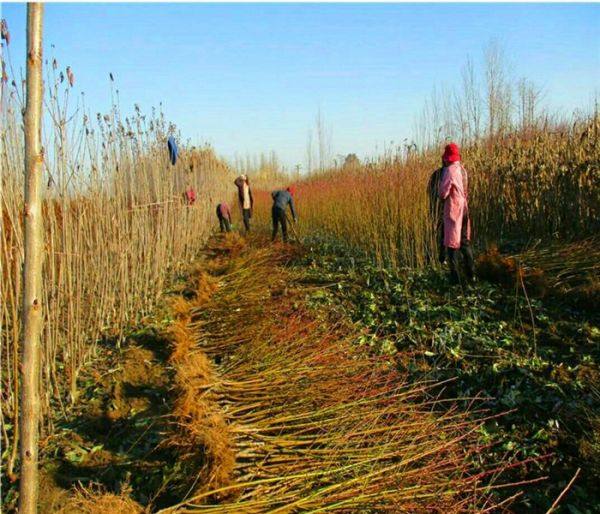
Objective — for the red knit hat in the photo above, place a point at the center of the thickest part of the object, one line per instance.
(451, 153)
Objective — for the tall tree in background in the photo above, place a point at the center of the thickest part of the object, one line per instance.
(32, 270)
(471, 101)
(499, 90)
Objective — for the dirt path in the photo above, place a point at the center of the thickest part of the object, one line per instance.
(272, 407)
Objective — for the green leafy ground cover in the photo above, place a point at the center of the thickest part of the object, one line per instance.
(535, 361)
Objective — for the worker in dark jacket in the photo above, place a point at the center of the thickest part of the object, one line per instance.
(281, 199)
(436, 211)
(224, 215)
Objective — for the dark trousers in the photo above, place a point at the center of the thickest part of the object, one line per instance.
(467, 253)
(224, 224)
(278, 215)
(246, 217)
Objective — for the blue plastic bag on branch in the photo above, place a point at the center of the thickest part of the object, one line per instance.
(172, 149)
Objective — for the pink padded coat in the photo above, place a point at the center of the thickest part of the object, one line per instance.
(454, 192)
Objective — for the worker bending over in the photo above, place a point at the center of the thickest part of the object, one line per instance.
(281, 199)
(224, 215)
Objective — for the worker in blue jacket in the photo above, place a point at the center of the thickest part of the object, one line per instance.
(281, 199)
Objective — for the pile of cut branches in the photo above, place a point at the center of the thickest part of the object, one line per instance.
(295, 417)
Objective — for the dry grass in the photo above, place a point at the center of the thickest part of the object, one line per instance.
(201, 434)
(180, 307)
(95, 502)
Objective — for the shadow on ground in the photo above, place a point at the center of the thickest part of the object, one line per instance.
(118, 441)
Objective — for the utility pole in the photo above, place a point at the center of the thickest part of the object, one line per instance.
(32, 269)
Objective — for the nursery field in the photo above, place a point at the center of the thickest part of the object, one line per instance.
(172, 369)
(524, 342)
(340, 372)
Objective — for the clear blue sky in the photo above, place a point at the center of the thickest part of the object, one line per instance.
(251, 77)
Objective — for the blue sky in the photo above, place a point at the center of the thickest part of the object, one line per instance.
(250, 77)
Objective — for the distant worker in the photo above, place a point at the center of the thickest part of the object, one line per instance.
(436, 211)
(454, 190)
(190, 195)
(224, 215)
(245, 199)
(281, 199)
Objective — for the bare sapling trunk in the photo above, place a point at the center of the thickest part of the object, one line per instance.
(32, 270)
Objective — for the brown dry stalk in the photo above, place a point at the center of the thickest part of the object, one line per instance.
(115, 228)
(295, 417)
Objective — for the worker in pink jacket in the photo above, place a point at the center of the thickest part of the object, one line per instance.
(457, 224)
